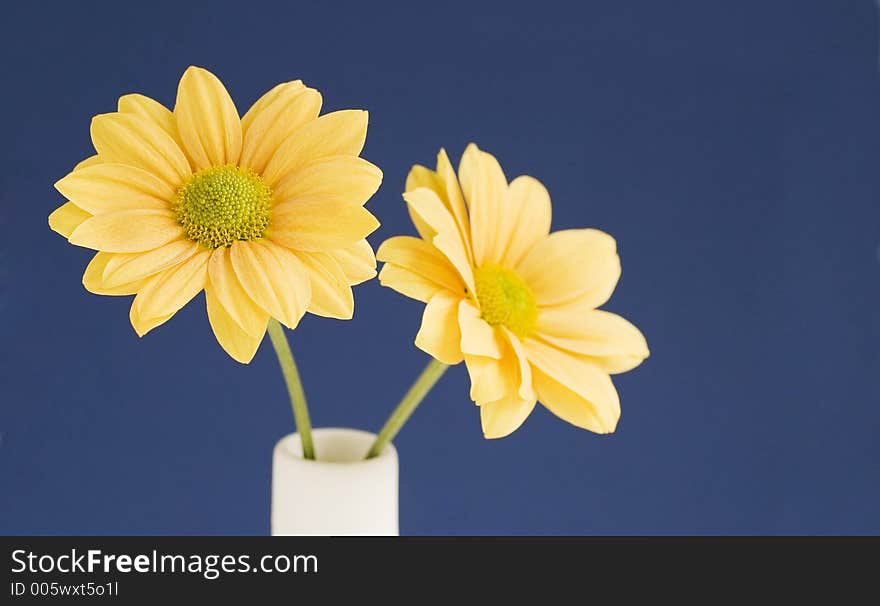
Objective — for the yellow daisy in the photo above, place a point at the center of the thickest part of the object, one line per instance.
(515, 302)
(263, 212)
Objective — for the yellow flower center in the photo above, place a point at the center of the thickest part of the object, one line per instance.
(222, 204)
(505, 300)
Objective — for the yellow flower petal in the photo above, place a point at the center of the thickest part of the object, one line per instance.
(144, 325)
(615, 365)
(484, 186)
(526, 389)
(66, 218)
(287, 113)
(150, 109)
(125, 268)
(502, 417)
(285, 88)
(207, 120)
(571, 407)
(90, 161)
(274, 278)
(331, 293)
(572, 388)
(525, 221)
(572, 266)
(448, 241)
(225, 286)
(335, 179)
(127, 231)
(444, 183)
(615, 344)
(166, 292)
(422, 258)
(420, 176)
(439, 335)
(110, 187)
(236, 342)
(340, 133)
(93, 278)
(137, 141)
(493, 379)
(454, 200)
(319, 225)
(477, 337)
(357, 262)
(408, 283)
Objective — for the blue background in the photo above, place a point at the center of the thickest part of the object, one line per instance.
(732, 148)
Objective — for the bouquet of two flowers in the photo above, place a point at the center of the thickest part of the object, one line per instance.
(264, 212)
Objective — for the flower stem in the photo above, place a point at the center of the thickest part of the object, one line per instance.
(294, 387)
(432, 373)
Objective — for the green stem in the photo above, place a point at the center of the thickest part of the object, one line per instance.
(432, 373)
(294, 387)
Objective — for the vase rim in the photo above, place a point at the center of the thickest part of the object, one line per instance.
(346, 447)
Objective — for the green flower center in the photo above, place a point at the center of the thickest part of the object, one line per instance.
(222, 204)
(505, 300)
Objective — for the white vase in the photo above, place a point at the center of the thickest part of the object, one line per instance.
(338, 494)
